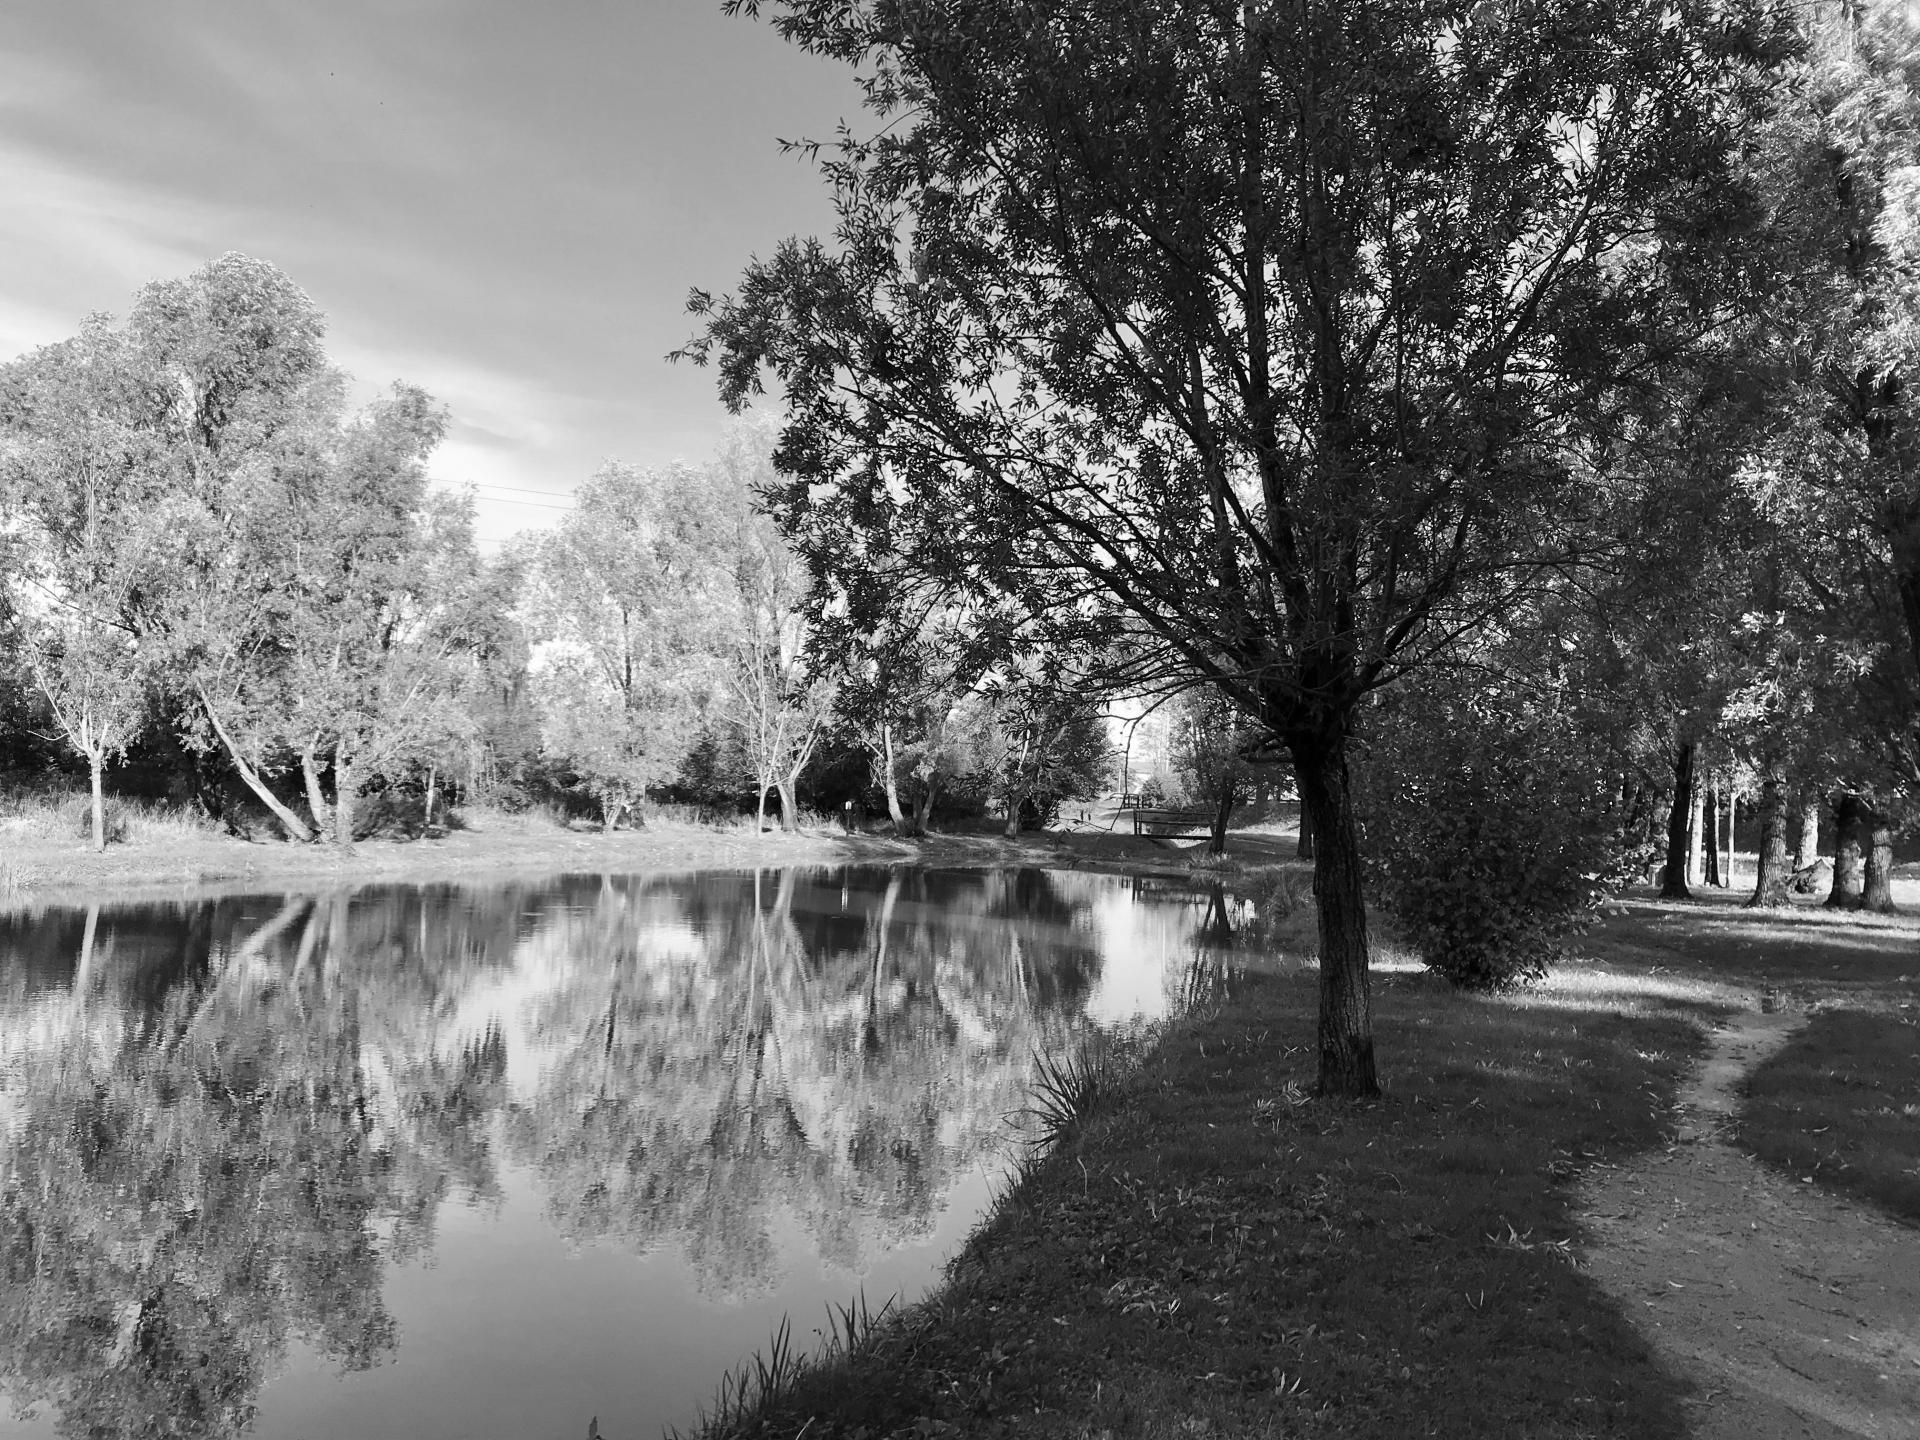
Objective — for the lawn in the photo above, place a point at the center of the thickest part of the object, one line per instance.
(1840, 1106)
(1218, 1253)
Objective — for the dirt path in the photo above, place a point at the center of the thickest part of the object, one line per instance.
(1797, 1314)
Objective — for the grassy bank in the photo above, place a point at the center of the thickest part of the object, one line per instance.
(44, 859)
(1218, 1253)
(1840, 1106)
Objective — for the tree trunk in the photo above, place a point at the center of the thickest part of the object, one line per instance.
(343, 784)
(1806, 847)
(1877, 884)
(923, 811)
(1849, 853)
(1015, 801)
(789, 806)
(1772, 873)
(1304, 849)
(1217, 840)
(760, 807)
(894, 812)
(1710, 840)
(1346, 1008)
(433, 779)
(316, 801)
(291, 822)
(1696, 830)
(610, 807)
(97, 765)
(1733, 813)
(1673, 880)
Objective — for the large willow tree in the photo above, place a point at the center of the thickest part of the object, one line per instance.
(1254, 339)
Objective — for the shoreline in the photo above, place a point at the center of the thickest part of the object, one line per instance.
(38, 874)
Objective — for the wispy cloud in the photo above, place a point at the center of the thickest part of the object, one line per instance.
(503, 203)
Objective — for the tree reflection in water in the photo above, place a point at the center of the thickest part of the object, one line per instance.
(221, 1121)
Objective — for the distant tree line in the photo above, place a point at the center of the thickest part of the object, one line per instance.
(225, 582)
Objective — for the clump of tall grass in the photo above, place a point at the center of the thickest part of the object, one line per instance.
(1069, 1091)
(764, 1380)
(56, 812)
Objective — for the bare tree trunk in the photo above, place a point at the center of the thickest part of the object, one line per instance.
(1304, 849)
(1673, 879)
(1710, 841)
(291, 822)
(923, 810)
(343, 787)
(892, 784)
(1772, 874)
(760, 807)
(1877, 885)
(1346, 1007)
(1696, 830)
(433, 779)
(1849, 853)
(316, 801)
(1806, 847)
(1733, 814)
(789, 806)
(1217, 839)
(97, 766)
(1016, 799)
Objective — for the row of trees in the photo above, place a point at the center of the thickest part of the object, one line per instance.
(1554, 355)
(208, 545)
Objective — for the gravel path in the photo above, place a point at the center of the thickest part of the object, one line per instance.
(1797, 1314)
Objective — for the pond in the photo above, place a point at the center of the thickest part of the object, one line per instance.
(490, 1161)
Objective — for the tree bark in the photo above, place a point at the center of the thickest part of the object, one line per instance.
(343, 784)
(1773, 872)
(923, 809)
(291, 822)
(1877, 884)
(789, 806)
(1710, 840)
(1806, 848)
(97, 765)
(760, 808)
(1217, 840)
(1733, 813)
(1696, 830)
(894, 812)
(1016, 800)
(1346, 1007)
(1673, 880)
(1304, 849)
(316, 800)
(1849, 853)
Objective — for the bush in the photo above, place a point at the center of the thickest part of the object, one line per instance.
(1489, 833)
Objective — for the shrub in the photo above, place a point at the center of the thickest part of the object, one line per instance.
(1489, 833)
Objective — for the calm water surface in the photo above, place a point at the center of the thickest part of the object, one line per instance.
(464, 1161)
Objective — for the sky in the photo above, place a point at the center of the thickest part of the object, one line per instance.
(503, 201)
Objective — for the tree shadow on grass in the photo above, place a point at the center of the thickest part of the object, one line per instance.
(1812, 950)
(1840, 1105)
